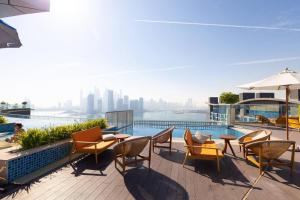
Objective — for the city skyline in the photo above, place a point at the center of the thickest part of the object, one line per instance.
(92, 102)
(192, 49)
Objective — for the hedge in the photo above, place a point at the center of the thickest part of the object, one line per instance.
(35, 137)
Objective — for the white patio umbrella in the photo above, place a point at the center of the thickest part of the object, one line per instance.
(8, 36)
(285, 80)
(10, 8)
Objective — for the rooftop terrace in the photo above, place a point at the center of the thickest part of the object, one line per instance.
(166, 180)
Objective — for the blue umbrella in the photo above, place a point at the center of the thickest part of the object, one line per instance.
(8, 36)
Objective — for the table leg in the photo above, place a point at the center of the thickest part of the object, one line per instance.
(231, 148)
(225, 146)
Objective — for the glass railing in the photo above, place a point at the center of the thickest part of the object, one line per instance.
(120, 119)
(14, 106)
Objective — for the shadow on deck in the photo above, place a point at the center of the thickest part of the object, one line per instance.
(167, 179)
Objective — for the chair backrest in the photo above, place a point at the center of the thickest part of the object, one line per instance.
(188, 138)
(280, 120)
(132, 147)
(89, 135)
(272, 149)
(259, 135)
(164, 135)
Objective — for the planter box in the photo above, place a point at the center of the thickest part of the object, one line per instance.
(9, 127)
(16, 163)
(21, 163)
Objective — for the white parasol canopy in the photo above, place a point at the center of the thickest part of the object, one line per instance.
(10, 8)
(8, 36)
(285, 80)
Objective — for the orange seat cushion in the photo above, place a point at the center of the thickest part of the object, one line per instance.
(247, 139)
(101, 146)
(203, 152)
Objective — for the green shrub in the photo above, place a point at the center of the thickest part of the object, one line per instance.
(3, 120)
(37, 137)
(229, 98)
(33, 138)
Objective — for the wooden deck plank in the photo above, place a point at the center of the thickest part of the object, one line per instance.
(166, 180)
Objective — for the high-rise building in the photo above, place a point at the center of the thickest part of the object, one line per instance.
(120, 104)
(126, 102)
(141, 105)
(134, 105)
(108, 101)
(90, 104)
(99, 106)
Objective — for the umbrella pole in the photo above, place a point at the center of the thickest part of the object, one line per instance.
(287, 93)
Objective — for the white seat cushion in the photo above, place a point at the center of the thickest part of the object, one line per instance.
(199, 137)
(258, 136)
(107, 137)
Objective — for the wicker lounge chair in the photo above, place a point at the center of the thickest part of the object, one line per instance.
(294, 123)
(206, 151)
(132, 148)
(90, 141)
(267, 153)
(164, 137)
(259, 135)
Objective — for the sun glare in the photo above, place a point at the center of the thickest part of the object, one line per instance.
(69, 9)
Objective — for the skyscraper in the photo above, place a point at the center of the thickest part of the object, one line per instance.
(120, 104)
(126, 102)
(141, 104)
(108, 101)
(90, 104)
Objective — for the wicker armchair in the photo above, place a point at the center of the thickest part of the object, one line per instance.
(259, 135)
(268, 153)
(163, 137)
(132, 148)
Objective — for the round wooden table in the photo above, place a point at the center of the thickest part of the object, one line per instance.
(121, 137)
(227, 139)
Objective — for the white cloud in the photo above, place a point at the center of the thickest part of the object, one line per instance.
(273, 60)
(219, 25)
(136, 71)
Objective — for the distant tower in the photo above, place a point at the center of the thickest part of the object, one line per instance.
(141, 104)
(126, 102)
(120, 104)
(90, 104)
(108, 101)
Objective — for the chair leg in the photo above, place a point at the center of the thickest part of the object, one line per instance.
(184, 160)
(96, 157)
(260, 161)
(218, 165)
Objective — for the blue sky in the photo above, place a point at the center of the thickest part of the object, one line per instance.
(171, 49)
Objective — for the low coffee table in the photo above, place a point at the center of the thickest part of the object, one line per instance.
(121, 137)
(227, 139)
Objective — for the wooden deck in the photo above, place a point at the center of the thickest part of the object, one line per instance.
(166, 180)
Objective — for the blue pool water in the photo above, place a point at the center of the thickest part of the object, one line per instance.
(178, 133)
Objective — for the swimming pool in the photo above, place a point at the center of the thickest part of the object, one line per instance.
(178, 133)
